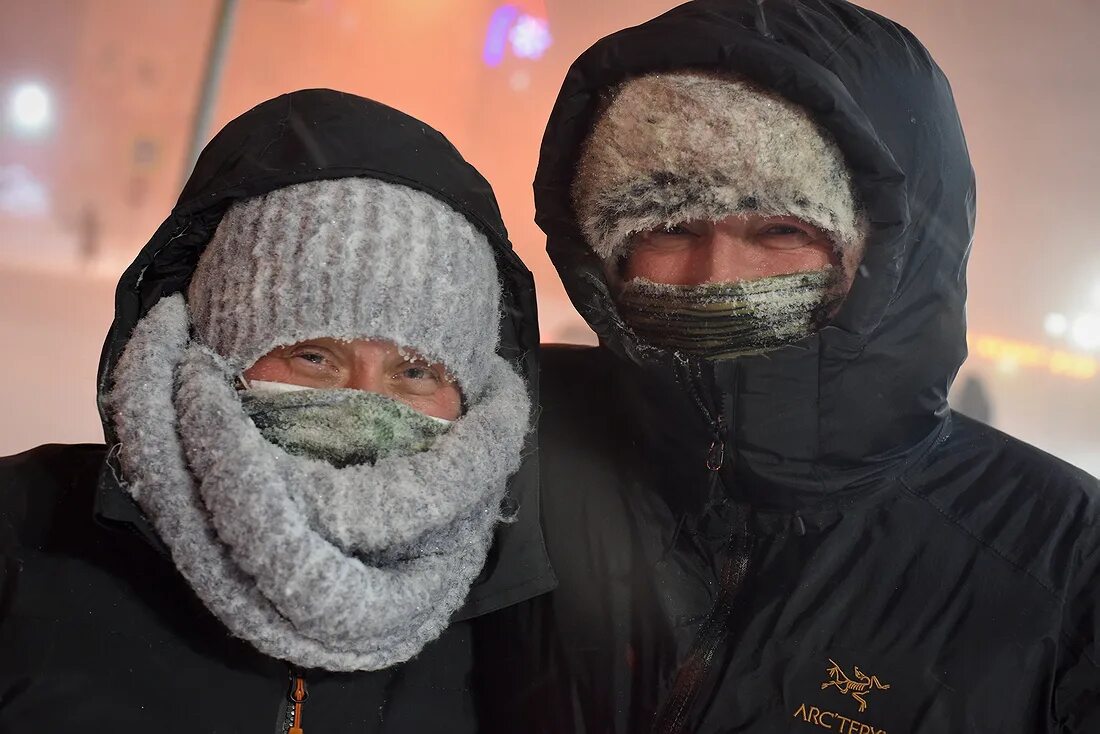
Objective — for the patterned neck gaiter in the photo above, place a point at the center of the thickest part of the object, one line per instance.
(726, 320)
(341, 426)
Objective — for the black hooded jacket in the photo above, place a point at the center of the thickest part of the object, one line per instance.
(98, 631)
(809, 539)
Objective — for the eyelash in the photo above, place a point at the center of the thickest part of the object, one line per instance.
(791, 230)
(427, 371)
(308, 356)
(775, 230)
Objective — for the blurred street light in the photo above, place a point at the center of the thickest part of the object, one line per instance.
(29, 109)
(530, 37)
(1086, 331)
(1056, 324)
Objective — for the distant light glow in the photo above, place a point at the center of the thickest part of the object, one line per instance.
(527, 34)
(530, 37)
(1008, 366)
(1056, 324)
(496, 39)
(1010, 355)
(30, 108)
(520, 81)
(1086, 331)
(21, 194)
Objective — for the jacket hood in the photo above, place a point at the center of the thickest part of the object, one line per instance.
(320, 134)
(856, 401)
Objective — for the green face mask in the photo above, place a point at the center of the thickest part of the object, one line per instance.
(725, 320)
(343, 427)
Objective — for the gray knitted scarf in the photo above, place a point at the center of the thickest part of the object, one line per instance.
(352, 568)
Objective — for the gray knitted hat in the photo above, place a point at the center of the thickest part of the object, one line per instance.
(676, 147)
(351, 258)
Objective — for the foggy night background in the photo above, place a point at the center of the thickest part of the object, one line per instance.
(98, 100)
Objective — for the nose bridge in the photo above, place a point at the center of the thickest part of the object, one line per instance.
(723, 256)
(368, 369)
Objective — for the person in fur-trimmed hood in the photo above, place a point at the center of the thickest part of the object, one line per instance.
(316, 388)
(762, 512)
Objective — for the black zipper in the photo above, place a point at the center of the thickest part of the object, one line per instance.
(715, 631)
(296, 696)
(712, 637)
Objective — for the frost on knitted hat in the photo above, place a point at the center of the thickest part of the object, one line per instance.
(683, 146)
(351, 258)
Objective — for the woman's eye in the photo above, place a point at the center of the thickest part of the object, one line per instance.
(311, 357)
(421, 379)
(419, 372)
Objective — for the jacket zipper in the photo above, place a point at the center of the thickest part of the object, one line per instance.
(716, 454)
(693, 672)
(296, 697)
(672, 717)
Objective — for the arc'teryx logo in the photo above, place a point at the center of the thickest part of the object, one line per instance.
(857, 688)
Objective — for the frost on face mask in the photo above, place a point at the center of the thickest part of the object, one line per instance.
(340, 426)
(726, 320)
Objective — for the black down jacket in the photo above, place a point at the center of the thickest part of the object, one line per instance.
(98, 631)
(810, 540)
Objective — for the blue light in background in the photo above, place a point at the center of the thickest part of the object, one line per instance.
(496, 40)
(527, 35)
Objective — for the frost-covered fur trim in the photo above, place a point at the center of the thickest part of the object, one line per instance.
(350, 258)
(676, 147)
(342, 569)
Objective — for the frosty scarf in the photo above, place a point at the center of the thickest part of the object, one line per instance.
(352, 568)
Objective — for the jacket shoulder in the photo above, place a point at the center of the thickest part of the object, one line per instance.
(576, 399)
(38, 484)
(1029, 507)
(573, 374)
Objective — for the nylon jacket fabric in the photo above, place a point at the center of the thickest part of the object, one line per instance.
(809, 539)
(99, 632)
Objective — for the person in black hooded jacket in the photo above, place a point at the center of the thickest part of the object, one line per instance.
(786, 530)
(315, 388)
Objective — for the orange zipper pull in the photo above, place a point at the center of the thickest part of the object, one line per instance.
(298, 696)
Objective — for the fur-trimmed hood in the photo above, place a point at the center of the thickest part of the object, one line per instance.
(860, 399)
(314, 135)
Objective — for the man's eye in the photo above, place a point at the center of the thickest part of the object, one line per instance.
(657, 234)
(783, 230)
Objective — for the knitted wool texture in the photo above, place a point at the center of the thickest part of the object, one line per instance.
(350, 258)
(677, 147)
